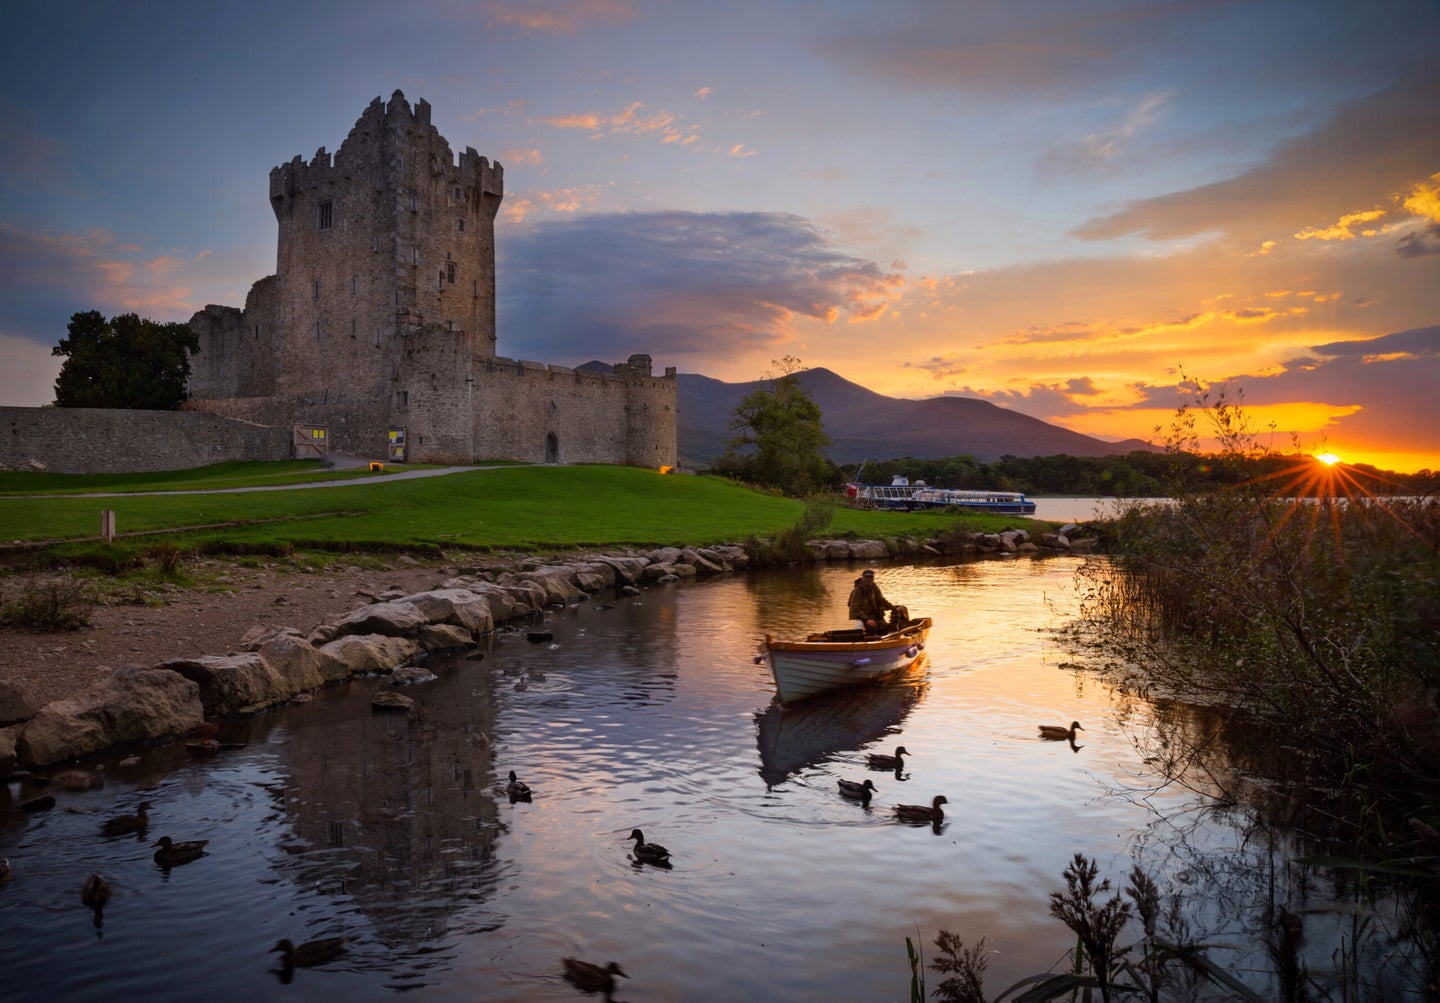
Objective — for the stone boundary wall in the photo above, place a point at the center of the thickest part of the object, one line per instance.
(504, 411)
(112, 440)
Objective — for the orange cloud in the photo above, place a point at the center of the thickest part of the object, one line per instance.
(560, 201)
(1424, 199)
(632, 120)
(90, 267)
(1343, 229)
(530, 156)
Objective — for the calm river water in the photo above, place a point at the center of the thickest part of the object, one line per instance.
(642, 712)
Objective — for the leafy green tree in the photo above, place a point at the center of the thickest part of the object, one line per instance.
(126, 362)
(781, 435)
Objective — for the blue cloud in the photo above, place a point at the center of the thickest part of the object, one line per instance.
(669, 283)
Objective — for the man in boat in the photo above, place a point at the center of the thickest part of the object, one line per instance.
(868, 605)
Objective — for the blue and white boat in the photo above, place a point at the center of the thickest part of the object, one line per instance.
(901, 495)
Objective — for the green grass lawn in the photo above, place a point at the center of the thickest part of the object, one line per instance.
(221, 475)
(513, 507)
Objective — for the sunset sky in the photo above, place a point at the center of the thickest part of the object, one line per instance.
(1056, 207)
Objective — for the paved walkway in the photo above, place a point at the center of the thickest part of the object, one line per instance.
(404, 475)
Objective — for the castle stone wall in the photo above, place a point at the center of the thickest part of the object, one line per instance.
(108, 440)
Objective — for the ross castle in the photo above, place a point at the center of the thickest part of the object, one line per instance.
(376, 334)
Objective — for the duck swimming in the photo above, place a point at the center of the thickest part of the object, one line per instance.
(173, 854)
(516, 790)
(590, 978)
(95, 892)
(310, 953)
(122, 825)
(648, 853)
(1055, 733)
(857, 791)
(895, 762)
(922, 813)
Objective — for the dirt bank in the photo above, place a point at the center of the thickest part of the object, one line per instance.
(142, 624)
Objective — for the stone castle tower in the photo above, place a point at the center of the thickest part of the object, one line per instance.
(379, 323)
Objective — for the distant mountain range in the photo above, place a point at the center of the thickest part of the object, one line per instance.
(864, 425)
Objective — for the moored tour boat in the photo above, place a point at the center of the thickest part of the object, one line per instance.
(901, 495)
(830, 659)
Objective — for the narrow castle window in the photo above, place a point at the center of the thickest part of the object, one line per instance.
(475, 288)
(317, 332)
(439, 280)
(450, 271)
(354, 284)
(352, 327)
(402, 398)
(460, 223)
(458, 193)
(317, 289)
(414, 203)
(327, 214)
(375, 244)
(415, 255)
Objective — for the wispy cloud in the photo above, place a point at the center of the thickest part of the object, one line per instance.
(1386, 142)
(632, 120)
(52, 272)
(560, 17)
(1101, 150)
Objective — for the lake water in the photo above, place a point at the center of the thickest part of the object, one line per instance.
(641, 712)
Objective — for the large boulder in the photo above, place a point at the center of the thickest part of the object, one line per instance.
(297, 661)
(557, 583)
(627, 569)
(233, 684)
(502, 601)
(8, 737)
(664, 555)
(396, 619)
(14, 704)
(355, 654)
(868, 550)
(731, 554)
(829, 550)
(461, 607)
(129, 705)
(702, 564)
(443, 637)
(526, 597)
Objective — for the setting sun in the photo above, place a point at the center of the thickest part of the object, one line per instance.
(1329, 459)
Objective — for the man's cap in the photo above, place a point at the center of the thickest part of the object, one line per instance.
(868, 573)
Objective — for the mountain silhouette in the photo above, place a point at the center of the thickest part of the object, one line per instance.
(865, 425)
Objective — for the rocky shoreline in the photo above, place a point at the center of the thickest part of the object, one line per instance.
(275, 664)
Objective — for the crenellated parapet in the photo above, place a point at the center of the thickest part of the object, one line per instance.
(383, 124)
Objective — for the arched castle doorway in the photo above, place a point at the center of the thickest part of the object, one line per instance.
(552, 448)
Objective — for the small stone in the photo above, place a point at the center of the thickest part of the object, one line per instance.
(389, 700)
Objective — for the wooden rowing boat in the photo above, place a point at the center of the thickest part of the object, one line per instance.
(831, 659)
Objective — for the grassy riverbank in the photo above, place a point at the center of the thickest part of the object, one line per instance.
(511, 508)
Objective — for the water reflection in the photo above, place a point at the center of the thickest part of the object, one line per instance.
(646, 713)
(792, 738)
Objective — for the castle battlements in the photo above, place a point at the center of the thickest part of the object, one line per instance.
(395, 119)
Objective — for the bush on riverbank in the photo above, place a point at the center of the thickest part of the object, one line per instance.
(1321, 616)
